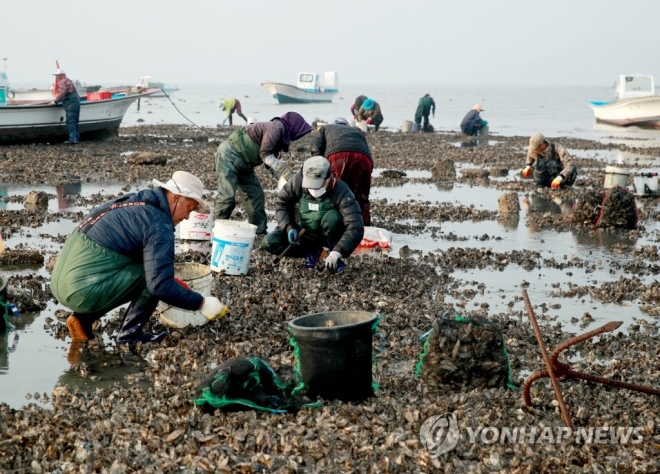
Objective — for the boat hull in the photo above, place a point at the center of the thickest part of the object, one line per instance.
(288, 94)
(22, 96)
(640, 112)
(47, 123)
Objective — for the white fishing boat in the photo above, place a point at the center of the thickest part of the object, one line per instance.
(147, 82)
(636, 103)
(42, 122)
(309, 89)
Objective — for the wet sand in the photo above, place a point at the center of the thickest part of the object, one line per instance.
(149, 423)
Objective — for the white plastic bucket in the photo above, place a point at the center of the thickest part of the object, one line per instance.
(362, 126)
(615, 176)
(197, 227)
(251, 120)
(198, 277)
(232, 245)
(483, 131)
(407, 126)
(645, 185)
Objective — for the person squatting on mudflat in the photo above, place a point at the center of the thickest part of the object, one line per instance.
(347, 150)
(245, 149)
(123, 251)
(370, 113)
(329, 214)
(355, 106)
(472, 122)
(549, 163)
(65, 92)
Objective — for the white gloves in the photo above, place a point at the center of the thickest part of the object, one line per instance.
(331, 260)
(276, 165)
(212, 309)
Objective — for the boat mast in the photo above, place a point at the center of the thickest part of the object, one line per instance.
(4, 61)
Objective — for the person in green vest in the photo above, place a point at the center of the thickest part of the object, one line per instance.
(329, 214)
(230, 106)
(425, 106)
(257, 144)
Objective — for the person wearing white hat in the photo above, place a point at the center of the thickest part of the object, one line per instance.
(65, 92)
(329, 214)
(472, 122)
(123, 252)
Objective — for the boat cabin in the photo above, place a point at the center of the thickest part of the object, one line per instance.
(311, 82)
(634, 85)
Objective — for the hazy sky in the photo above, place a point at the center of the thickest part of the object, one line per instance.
(367, 42)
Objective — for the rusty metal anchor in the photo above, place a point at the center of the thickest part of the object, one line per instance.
(556, 369)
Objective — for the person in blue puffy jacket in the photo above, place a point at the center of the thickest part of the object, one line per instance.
(123, 252)
(472, 121)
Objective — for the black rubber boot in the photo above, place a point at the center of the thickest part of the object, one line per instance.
(134, 320)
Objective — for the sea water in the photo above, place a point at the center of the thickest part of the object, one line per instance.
(556, 111)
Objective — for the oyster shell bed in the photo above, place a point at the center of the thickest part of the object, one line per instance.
(158, 429)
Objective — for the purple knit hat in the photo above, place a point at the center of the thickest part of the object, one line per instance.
(295, 126)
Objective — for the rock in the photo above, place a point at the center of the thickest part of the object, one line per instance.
(394, 174)
(146, 158)
(38, 198)
(475, 173)
(50, 263)
(443, 169)
(509, 205)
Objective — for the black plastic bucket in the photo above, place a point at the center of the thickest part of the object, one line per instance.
(335, 353)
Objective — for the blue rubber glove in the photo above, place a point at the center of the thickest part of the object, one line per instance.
(293, 237)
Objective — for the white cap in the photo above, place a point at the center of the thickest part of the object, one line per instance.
(187, 185)
(251, 120)
(315, 170)
(58, 72)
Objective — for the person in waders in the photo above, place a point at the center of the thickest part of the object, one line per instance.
(245, 149)
(65, 92)
(229, 106)
(549, 163)
(123, 252)
(347, 150)
(425, 107)
(329, 214)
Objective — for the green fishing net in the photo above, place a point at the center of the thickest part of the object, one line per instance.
(465, 352)
(248, 382)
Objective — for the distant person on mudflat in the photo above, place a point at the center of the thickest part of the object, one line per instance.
(346, 149)
(229, 106)
(425, 106)
(257, 144)
(370, 113)
(549, 163)
(355, 107)
(472, 122)
(65, 92)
